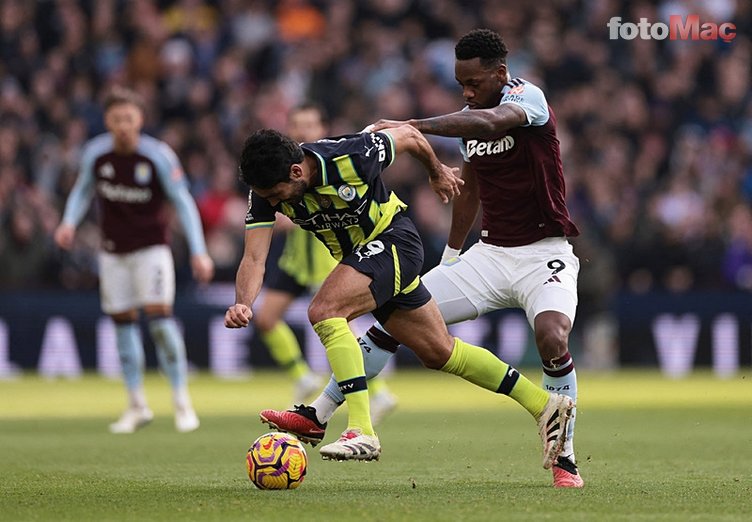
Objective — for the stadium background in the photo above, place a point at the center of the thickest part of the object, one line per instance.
(656, 142)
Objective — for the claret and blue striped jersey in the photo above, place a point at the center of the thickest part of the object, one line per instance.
(349, 206)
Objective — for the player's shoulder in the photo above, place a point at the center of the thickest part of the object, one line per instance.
(336, 148)
(155, 149)
(334, 145)
(97, 146)
(530, 98)
(520, 86)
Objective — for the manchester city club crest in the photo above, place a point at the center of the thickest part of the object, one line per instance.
(142, 173)
(347, 192)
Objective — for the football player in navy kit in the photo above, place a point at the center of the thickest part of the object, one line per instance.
(512, 171)
(133, 176)
(304, 264)
(333, 188)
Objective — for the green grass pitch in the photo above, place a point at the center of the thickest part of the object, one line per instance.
(649, 449)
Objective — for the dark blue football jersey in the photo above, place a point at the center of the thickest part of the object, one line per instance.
(349, 205)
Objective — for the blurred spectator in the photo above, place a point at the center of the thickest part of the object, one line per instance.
(25, 260)
(737, 262)
(656, 134)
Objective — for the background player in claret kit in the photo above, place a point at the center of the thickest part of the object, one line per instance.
(133, 175)
(303, 266)
(333, 187)
(513, 171)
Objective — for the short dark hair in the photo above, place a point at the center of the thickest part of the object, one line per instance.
(267, 157)
(484, 44)
(118, 95)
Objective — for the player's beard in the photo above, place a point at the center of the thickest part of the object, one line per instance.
(299, 188)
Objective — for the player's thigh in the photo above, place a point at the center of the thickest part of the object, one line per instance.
(345, 293)
(475, 283)
(116, 286)
(423, 331)
(452, 298)
(153, 272)
(551, 282)
(393, 262)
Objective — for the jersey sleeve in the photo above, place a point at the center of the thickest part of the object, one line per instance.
(83, 190)
(371, 152)
(260, 214)
(175, 185)
(463, 150)
(384, 148)
(463, 147)
(366, 153)
(531, 99)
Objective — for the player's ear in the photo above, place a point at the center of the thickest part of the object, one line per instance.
(501, 73)
(296, 171)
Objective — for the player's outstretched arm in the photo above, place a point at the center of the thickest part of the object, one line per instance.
(444, 179)
(249, 277)
(476, 123)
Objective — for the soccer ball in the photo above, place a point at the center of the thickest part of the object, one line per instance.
(276, 461)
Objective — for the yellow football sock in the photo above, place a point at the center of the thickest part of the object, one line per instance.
(285, 350)
(346, 360)
(481, 367)
(376, 386)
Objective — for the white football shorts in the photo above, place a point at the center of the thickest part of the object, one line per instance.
(138, 278)
(537, 278)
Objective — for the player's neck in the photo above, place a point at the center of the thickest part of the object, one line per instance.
(312, 170)
(124, 147)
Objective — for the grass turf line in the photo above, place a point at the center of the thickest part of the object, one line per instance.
(649, 449)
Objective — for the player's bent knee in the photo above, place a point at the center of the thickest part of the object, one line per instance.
(551, 344)
(319, 311)
(130, 316)
(158, 310)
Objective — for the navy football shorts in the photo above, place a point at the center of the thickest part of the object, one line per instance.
(283, 282)
(393, 260)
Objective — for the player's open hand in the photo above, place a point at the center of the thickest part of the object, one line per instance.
(385, 124)
(64, 235)
(445, 181)
(202, 267)
(238, 316)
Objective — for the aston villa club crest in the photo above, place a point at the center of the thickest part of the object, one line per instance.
(347, 192)
(142, 173)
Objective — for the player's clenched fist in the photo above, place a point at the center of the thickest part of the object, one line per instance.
(238, 316)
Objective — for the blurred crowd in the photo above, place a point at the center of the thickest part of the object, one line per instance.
(656, 135)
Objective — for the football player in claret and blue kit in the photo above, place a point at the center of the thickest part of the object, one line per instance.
(133, 176)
